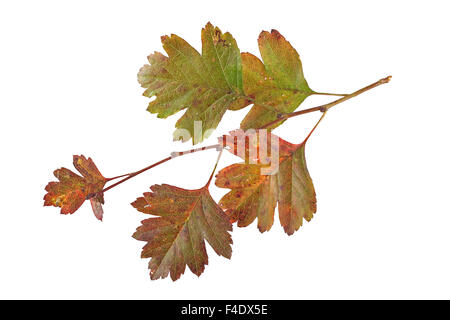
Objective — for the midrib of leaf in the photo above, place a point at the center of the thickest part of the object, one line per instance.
(190, 239)
(294, 186)
(220, 243)
(220, 62)
(218, 99)
(182, 226)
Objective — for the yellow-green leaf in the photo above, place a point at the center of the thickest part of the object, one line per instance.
(206, 84)
(277, 85)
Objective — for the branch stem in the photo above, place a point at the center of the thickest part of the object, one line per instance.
(283, 116)
(117, 177)
(131, 175)
(327, 106)
(172, 156)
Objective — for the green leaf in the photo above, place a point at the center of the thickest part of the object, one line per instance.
(278, 85)
(206, 84)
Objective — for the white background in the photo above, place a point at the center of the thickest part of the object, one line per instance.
(379, 162)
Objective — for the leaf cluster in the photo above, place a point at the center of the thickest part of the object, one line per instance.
(272, 174)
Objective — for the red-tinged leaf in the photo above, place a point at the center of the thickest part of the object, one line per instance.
(255, 195)
(277, 85)
(70, 192)
(207, 84)
(96, 204)
(88, 169)
(175, 238)
(256, 146)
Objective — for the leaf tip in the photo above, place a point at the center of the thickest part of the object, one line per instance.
(164, 38)
(276, 34)
(262, 34)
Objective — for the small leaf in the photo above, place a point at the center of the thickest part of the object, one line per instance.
(255, 195)
(96, 204)
(278, 85)
(175, 238)
(207, 84)
(72, 190)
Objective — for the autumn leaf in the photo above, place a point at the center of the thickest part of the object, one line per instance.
(175, 238)
(277, 85)
(255, 195)
(206, 84)
(254, 146)
(70, 192)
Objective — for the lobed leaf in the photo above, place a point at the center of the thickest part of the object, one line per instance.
(206, 84)
(175, 238)
(70, 192)
(255, 195)
(277, 85)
